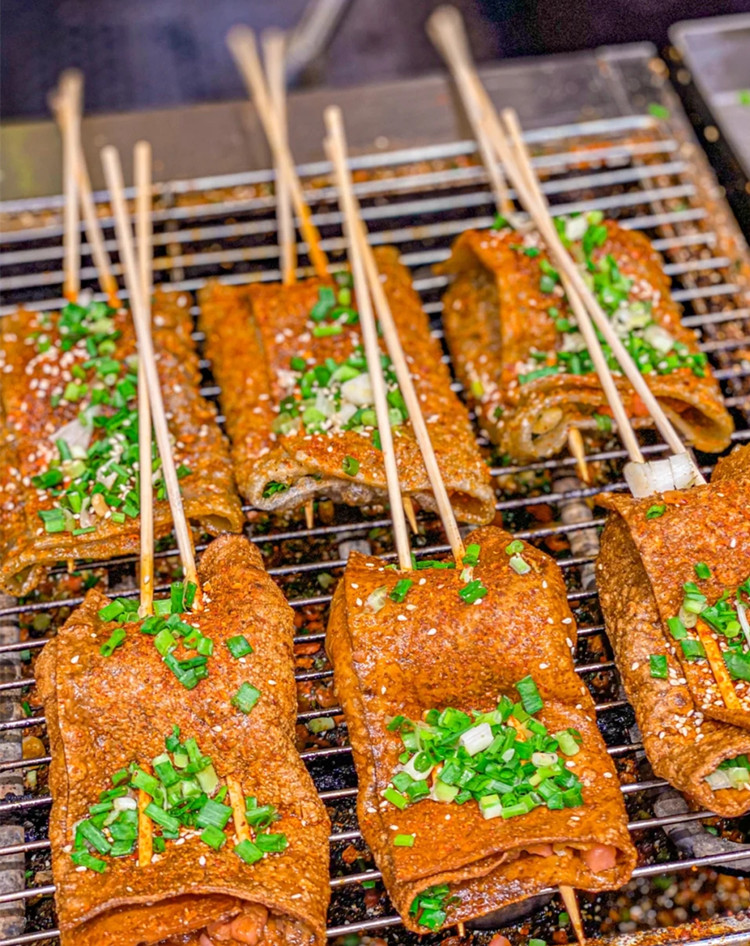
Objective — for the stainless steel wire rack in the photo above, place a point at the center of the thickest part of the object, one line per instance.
(645, 172)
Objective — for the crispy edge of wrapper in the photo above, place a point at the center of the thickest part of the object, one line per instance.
(662, 707)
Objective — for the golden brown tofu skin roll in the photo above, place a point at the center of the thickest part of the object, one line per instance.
(298, 404)
(230, 737)
(58, 368)
(517, 350)
(412, 670)
(696, 732)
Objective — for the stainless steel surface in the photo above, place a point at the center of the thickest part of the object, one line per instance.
(648, 174)
(716, 50)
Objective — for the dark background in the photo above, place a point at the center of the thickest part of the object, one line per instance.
(150, 53)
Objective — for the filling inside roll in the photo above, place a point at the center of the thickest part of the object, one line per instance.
(254, 925)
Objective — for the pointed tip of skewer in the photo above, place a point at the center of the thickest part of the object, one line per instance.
(575, 444)
(570, 900)
(309, 514)
(411, 516)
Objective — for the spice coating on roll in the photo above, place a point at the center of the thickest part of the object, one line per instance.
(69, 437)
(518, 352)
(299, 406)
(483, 777)
(238, 834)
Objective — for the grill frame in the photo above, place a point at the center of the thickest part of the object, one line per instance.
(397, 199)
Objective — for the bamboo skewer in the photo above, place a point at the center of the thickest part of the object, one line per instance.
(589, 303)
(273, 54)
(401, 367)
(142, 174)
(69, 103)
(273, 51)
(411, 516)
(337, 156)
(113, 175)
(63, 102)
(241, 42)
(445, 27)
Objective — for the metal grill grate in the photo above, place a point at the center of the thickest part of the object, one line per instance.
(633, 168)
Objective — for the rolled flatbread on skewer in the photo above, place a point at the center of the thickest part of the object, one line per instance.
(69, 437)
(298, 403)
(673, 576)
(196, 711)
(521, 358)
(483, 777)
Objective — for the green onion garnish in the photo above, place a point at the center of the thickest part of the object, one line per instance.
(702, 571)
(692, 650)
(515, 547)
(245, 698)
(401, 590)
(472, 592)
(658, 666)
(249, 852)
(115, 640)
(471, 557)
(403, 840)
(530, 698)
(655, 511)
(239, 646)
(350, 466)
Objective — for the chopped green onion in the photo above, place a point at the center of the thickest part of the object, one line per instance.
(245, 698)
(515, 547)
(395, 798)
(655, 511)
(239, 646)
(530, 698)
(692, 650)
(658, 666)
(161, 817)
(702, 571)
(519, 565)
(271, 843)
(676, 629)
(401, 590)
(84, 859)
(403, 840)
(471, 556)
(115, 640)
(249, 852)
(472, 592)
(350, 466)
(603, 422)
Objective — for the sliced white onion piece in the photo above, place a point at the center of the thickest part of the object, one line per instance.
(77, 433)
(688, 618)
(414, 772)
(358, 390)
(683, 470)
(325, 404)
(346, 412)
(376, 600)
(125, 803)
(543, 759)
(659, 476)
(718, 780)
(573, 341)
(575, 227)
(476, 739)
(659, 338)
